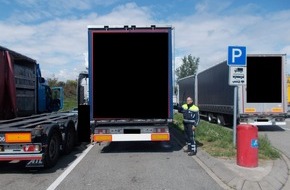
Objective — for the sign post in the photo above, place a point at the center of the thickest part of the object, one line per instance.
(237, 61)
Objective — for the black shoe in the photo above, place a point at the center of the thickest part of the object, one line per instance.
(191, 153)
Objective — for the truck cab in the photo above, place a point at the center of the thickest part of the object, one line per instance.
(50, 99)
(57, 98)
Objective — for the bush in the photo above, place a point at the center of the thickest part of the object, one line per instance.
(218, 140)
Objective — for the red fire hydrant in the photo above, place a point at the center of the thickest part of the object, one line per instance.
(247, 145)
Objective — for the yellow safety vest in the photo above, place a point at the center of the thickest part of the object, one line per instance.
(191, 114)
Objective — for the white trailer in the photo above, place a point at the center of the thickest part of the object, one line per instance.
(262, 101)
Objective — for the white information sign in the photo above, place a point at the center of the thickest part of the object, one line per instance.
(237, 76)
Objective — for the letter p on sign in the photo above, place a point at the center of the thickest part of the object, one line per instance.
(237, 56)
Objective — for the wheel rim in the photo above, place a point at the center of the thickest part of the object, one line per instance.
(70, 138)
(53, 148)
(209, 118)
(219, 121)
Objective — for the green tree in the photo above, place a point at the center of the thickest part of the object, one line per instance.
(70, 88)
(188, 67)
(61, 83)
(52, 81)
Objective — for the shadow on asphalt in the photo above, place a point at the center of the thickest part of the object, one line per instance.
(138, 146)
(270, 128)
(20, 167)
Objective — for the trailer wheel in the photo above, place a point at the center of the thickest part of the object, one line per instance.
(220, 120)
(70, 138)
(210, 117)
(52, 151)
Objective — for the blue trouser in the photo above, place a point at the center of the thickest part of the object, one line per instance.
(189, 137)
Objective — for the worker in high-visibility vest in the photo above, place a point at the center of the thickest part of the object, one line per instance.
(190, 121)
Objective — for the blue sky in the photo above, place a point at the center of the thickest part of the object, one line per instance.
(54, 32)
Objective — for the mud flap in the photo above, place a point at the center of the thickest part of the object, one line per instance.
(83, 129)
(34, 164)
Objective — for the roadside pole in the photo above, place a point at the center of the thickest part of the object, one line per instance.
(235, 115)
(237, 61)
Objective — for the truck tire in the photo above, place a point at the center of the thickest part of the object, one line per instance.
(220, 120)
(70, 140)
(52, 151)
(210, 118)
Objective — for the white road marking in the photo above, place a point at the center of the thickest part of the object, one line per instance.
(69, 169)
(285, 128)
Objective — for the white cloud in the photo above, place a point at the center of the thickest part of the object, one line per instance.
(59, 44)
(208, 38)
(210, 6)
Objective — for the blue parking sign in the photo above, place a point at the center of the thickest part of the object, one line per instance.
(254, 143)
(237, 56)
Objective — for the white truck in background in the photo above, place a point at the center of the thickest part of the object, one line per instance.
(262, 101)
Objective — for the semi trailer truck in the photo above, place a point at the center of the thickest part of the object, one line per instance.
(261, 101)
(32, 127)
(130, 84)
(288, 91)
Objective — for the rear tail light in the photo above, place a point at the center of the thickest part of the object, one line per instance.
(161, 130)
(243, 120)
(32, 148)
(280, 119)
(101, 131)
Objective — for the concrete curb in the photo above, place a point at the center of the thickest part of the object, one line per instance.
(287, 161)
(275, 177)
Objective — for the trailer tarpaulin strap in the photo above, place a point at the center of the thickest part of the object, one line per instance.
(7, 87)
